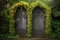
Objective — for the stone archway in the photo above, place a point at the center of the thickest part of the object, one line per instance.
(13, 12)
(29, 9)
(45, 21)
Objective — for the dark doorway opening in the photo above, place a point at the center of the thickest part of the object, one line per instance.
(38, 22)
(21, 21)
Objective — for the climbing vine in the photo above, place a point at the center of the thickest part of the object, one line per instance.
(47, 15)
(29, 9)
(12, 10)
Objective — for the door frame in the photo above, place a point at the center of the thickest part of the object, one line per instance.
(47, 15)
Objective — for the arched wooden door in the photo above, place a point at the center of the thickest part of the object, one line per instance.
(21, 21)
(38, 22)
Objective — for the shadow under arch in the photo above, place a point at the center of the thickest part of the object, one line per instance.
(21, 21)
(38, 22)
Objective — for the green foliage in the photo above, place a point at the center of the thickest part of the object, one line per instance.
(47, 14)
(56, 13)
(29, 9)
(4, 20)
(52, 30)
(56, 5)
(4, 23)
(55, 24)
(12, 10)
(55, 8)
(3, 4)
(55, 29)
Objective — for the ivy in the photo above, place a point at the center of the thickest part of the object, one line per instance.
(47, 15)
(12, 10)
(29, 9)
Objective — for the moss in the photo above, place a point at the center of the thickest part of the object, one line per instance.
(29, 9)
(12, 10)
(47, 14)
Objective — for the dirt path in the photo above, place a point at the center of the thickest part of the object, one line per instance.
(33, 39)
